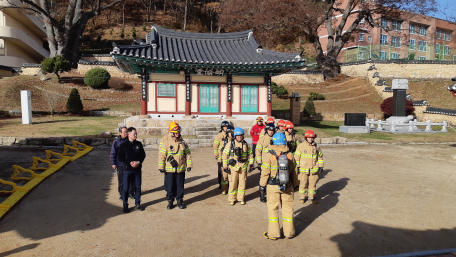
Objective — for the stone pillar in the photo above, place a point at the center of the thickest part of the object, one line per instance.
(399, 87)
(144, 80)
(295, 108)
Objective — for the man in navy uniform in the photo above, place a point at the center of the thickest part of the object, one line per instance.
(116, 165)
(132, 155)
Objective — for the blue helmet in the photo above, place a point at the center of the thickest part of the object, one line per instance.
(238, 132)
(279, 139)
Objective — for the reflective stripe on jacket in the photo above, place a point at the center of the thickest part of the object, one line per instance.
(217, 142)
(180, 152)
(262, 147)
(270, 167)
(246, 155)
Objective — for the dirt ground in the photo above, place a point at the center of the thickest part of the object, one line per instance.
(374, 200)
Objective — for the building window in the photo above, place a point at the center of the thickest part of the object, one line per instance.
(397, 25)
(395, 56)
(249, 98)
(412, 28)
(421, 58)
(360, 56)
(446, 36)
(384, 39)
(411, 44)
(422, 46)
(369, 38)
(383, 55)
(361, 37)
(209, 98)
(168, 90)
(396, 42)
(2, 47)
(437, 49)
(446, 50)
(438, 34)
(423, 31)
(384, 23)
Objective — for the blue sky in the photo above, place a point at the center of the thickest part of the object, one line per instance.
(442, 4)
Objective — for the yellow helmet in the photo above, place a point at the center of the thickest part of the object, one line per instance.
(175, 129)
(172, 125)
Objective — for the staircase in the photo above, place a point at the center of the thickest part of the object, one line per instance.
(206, 132)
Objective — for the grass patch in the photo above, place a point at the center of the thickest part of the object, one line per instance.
(59, 126)
(331, 129)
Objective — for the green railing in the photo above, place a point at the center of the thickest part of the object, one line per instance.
(404, 52)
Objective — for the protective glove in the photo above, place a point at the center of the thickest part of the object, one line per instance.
(189, 169)
(162, 170)
(259, 166)
(226, 170)
(320, 169)
(250, 168)
(262, 190)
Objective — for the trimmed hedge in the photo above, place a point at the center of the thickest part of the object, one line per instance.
(97, 78)
(74, 103)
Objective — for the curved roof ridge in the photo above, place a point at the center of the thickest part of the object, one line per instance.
(173, 33)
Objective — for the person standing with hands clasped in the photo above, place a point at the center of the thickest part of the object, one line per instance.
(237, 158)
(132, 155)
(174, 159)
(279, 174)
(216, 145)
(223, 144)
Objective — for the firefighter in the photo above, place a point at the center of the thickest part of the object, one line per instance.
(292, 141)
(174, 159)
(216, 146)
(268, 121)
(262, 148)
(237, 158)
(278, 174)
(280, 126)
(223, 144)
(255, 133)
(309, 160)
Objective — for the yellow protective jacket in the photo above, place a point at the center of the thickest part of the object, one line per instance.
(263, 133)
(309, 157)
(165, 138)
(243, 161)
(270, 167)
(217, 142)
(180, 152)
(223, 143)
(292, 141)
(262, 147)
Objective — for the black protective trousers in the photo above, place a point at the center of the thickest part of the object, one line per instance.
(174, 185)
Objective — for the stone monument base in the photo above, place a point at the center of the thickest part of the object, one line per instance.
(354, 129)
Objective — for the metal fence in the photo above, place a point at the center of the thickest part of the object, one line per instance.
(404, 52)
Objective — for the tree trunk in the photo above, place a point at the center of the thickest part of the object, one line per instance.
(329, 65)
(185, 15)
(149, 11)
(123, 16)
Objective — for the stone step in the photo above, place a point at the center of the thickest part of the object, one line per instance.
(205, 128)
(205, 141)
(204, 145)
(205, 137)
(207, 133)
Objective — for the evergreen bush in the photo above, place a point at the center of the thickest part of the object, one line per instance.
(74, 103)
(144, 26)
(281, 91)
(133, 32)
(97, 78)
(309, 108)
(55, 65)
(317, 96)
(274, 88)
(122, 33)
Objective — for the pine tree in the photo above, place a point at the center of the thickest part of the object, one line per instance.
(74, 103)
(122, 34)
(133, 32)
(309, 108)
(144, 26)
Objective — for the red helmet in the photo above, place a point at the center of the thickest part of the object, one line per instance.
(281, 123)
(270, 120)
(289, 125)
(309, 133)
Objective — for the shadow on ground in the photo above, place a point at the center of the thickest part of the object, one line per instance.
(20, 249)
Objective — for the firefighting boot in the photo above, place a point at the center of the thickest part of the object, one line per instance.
(232, 203)
(224, 192)
(303, 200)
(313, 201)
(242, 203)
(265, 234)
(181, 204)
(170, 204)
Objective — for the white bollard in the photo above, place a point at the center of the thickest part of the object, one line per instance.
(379, 125)
(444, 129)
(428, 126)
(410, 129)
(26, 103)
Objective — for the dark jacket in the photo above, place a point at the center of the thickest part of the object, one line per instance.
(115, 150)
(129, 152)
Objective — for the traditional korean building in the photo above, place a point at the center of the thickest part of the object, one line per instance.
(197, 74)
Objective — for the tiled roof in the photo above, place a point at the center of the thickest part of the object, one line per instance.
(233, 49)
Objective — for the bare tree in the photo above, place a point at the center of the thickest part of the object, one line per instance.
(285, 20)
(64, 20)
(148, 4)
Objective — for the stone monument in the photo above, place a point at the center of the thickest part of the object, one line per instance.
(355, 123)
(295, 108)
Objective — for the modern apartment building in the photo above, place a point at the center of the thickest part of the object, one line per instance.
(22, 38)
(412, 36)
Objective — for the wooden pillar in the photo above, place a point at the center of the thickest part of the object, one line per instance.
(144, 79)
(229, 82)
(188, 97)
(267, 81)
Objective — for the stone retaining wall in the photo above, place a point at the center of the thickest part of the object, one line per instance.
(293, 79)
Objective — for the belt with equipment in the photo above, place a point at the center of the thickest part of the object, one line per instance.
(273, 181)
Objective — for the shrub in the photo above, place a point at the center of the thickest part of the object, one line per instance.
(144, 26)
(74, 103)
(55, 65)
(317, 96)
(122, 33)
(281, 91)
(111, 31)
(387, 107)
(13, 95)
(274, 88)
(309, 108)
(119, 84)
(133, 32)
(97, 78)
(411, 56)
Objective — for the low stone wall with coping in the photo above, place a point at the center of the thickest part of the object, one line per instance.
(299, 77)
